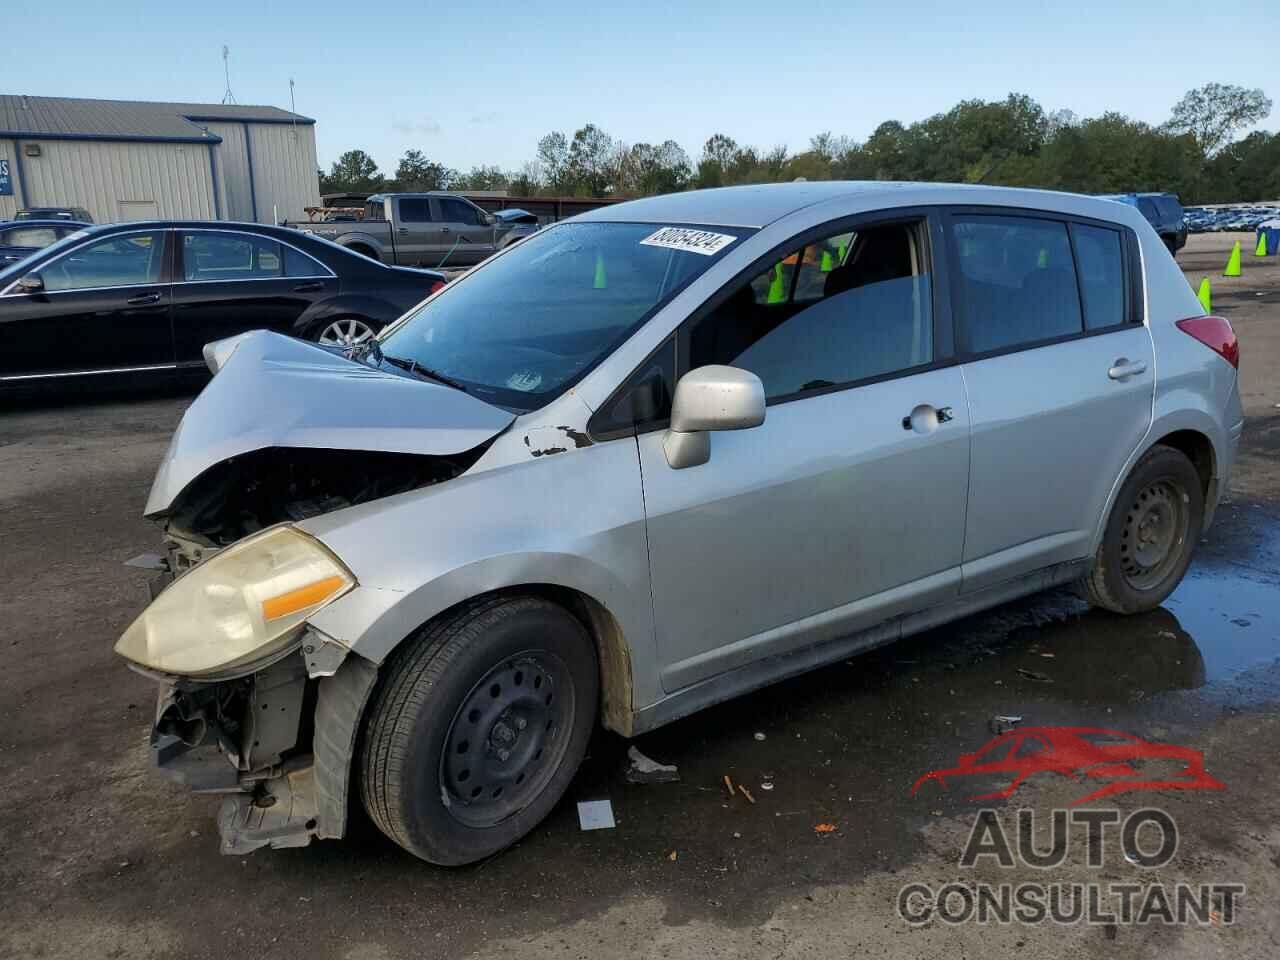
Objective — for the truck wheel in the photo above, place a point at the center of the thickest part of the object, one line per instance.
(1150, 535)
(364, 251)
(345, 332)
(478, 728)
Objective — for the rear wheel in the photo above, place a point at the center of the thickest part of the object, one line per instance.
(479, 727)
(345, 332)
(1150, 535)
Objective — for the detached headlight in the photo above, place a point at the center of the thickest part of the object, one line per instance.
(243, 605)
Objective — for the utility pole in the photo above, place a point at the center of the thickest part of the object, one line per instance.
(228, 96)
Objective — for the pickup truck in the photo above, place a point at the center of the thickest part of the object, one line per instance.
(435, 230)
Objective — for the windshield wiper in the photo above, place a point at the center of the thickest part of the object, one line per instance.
(413, 366)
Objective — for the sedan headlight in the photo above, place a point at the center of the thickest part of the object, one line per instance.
(242, 606)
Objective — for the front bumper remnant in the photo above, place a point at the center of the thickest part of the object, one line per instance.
(277, 745)
(282, 814)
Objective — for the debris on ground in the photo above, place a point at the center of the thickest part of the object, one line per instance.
(1003, 723)
(673, 855)
(595, 815)
(1035, 675)
(821, 828)
(759, 735)
(644, 769)
(766, 785)
(746, 793)
(728, 785)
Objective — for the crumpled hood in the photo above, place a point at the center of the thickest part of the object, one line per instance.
(275, 391)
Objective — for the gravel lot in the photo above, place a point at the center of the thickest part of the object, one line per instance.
(104, 859)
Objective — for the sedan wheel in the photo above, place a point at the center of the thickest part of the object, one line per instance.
(345, 332)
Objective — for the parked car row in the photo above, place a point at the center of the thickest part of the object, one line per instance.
(119, 302)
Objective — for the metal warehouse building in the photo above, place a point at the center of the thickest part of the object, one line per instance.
(127, 160)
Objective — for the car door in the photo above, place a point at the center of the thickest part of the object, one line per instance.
(1060, 374)
(419, 240)
(230, 281)
(103, 307)
(846, 506)
(467, 237)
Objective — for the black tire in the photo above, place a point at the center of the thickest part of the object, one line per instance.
(516, 660)
(1150, 535)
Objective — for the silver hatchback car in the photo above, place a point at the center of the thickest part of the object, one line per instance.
(651, 458)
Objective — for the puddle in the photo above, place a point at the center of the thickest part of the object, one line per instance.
(1233, 617)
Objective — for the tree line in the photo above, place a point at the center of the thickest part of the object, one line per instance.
(1013, 142)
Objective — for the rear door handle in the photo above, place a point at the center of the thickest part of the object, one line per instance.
(142, 299)
(312, 287)
(1124, 368)
(404, 229)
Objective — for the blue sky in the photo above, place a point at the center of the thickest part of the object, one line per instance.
(480, 83)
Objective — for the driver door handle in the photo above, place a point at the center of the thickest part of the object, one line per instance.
(1126, 368)
(142, 299)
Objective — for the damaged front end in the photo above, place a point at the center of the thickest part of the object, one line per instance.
(277, 743)
(255, 703)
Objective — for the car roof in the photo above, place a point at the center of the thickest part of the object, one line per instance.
(42, 222)
(761, 204)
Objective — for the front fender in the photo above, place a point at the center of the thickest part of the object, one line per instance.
(573, 519)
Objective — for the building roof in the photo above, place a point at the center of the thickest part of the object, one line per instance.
(761, 204)
(69, 118)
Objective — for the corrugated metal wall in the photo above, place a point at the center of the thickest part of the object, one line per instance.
(119, 181)
(9, 205)
(284, 169)
(233, 171)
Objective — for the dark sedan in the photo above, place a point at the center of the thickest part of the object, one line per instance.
(19, 239)
(113, 303)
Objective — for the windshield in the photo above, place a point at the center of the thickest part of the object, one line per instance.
(526, 327)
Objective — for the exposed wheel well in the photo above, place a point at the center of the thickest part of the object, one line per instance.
(1199, 451)
(604, 630)
(363, 250)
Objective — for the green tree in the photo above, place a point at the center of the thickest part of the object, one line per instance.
(415, 173)
(353, 172)
(553, 157)
(592, 161)
(484, 178)
(646, 169)
(717, 154)
(1216, 112)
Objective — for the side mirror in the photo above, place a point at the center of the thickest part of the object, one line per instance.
(706, 399)
(31, 283)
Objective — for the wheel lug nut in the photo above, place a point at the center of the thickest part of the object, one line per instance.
(503, 754)
(521, 723)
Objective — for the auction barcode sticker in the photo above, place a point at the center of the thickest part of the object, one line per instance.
(691, 241)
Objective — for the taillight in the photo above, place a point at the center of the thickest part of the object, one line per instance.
(1216, 334)
(440, 283)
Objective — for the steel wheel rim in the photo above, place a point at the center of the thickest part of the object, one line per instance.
(507, 738)
(346, 332)
(1154, 531)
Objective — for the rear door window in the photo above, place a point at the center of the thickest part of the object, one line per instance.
(1015, 282)
(1101, 269)
(415, 210)
(229, 256)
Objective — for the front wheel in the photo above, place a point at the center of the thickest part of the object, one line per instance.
(479, 727)
(1150, 535)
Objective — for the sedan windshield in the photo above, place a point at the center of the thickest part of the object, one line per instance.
(526, 327)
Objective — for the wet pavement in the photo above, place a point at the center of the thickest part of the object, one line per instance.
(105, 859)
